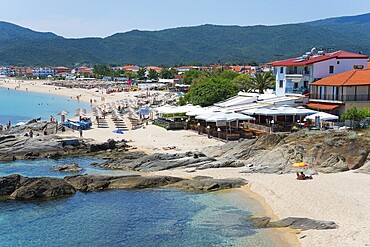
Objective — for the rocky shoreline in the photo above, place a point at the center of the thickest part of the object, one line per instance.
(16, 144)
(18, 187)
(326, 152)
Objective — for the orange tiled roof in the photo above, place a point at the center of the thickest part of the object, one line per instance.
(315, 59)
(154, 68)
(240, 68)
(349, 78)
(86, 70)
(322, 106)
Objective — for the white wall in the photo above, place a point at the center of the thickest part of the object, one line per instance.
(280, 76)
(321, 69)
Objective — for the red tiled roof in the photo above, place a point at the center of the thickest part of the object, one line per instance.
(349, 78)
(240, 68)
(315, 59)
(154, 68)
(322, 106)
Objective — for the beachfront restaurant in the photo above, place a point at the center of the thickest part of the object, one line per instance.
(279, 119)
(223, 125)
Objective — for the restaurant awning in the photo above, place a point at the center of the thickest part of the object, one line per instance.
(323, 106)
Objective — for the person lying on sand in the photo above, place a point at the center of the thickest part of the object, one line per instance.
(302, 176)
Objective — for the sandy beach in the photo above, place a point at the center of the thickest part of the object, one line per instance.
(342, 198)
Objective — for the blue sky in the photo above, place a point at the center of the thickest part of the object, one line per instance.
(101, 18)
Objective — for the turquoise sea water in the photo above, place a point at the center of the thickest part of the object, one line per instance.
(21, 106)
(116, 217)
(123, 217)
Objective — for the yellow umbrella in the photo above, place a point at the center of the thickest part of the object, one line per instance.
(299, 164)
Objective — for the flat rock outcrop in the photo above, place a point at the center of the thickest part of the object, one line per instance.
(34, 188)
(10, 183)
(14, 147)
(73, 167)
(23, 188)
(208, 184)
(102, 182)
(156, 162)
(293, 222)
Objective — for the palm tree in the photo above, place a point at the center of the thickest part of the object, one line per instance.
(262, 81)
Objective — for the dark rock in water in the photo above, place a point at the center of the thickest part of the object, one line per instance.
(33, 188)
(293, 222)
(9, 184)
(208, 184)
(23, 188)
(89, 182)
(101, 182)
(73, 167)
(143, 182)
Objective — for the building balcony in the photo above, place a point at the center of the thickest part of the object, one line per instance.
(340, 98)
(299, 91)
(302, 73)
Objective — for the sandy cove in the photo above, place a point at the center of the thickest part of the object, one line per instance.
(341, 197)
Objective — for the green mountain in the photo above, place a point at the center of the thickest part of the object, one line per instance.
(205, 44)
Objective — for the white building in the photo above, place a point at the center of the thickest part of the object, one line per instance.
(293, 75)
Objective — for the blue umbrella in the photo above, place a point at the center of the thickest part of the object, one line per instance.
(118, 131)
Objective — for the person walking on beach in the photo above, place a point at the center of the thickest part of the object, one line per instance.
(80, 130)
(8, 125)
(45, 130)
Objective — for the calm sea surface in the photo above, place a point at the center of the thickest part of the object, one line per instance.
(116, 217)
(21, 106)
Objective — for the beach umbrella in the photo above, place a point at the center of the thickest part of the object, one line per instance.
(228, 116)
(322, 115)
(80, 112)
(202, 110)
(81, 109)
(63, 115)
(299, 165)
